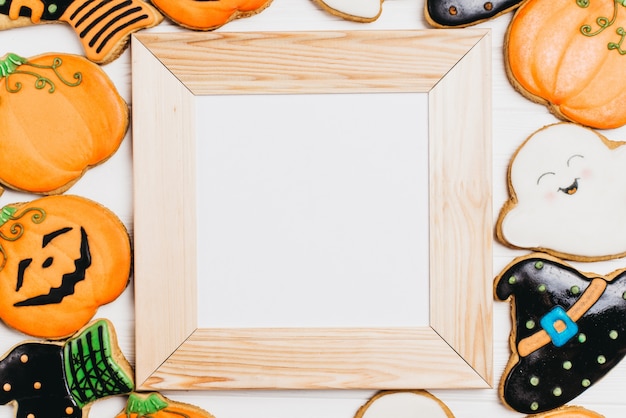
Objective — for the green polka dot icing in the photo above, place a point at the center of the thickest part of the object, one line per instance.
(530, 324)
(512, 279)
(613, 335)
(575, 290)
(534, 406)
(541, 288)
(52, 8)
(534, 381)
(601, 359)
(586, 383)
(567, 365)
(582, 338)
(557, 391)
(539, 265)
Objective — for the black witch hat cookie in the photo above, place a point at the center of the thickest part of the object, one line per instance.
(460, 13)
(568, 331)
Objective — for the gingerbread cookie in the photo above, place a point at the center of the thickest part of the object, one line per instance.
(404, 404)
(61, 257)
(569, 56)
(355, 10)
(60, 115)
(103, 27)
(461, 13)
(52, 380)
(209, 15)
(155, 405)
(568, 412)
(568, 331)
(567, 191)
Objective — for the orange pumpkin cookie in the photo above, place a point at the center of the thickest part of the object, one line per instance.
(209, 15)
(155, 405)
(568, 412)
(404, 404)
(61, 257)
(569, 55)
(103, 27)
(59, 115)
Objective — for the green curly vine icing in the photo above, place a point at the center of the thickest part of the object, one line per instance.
(15, 230)
(604, 22)
(14, 64)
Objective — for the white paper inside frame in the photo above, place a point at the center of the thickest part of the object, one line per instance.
(312, 210)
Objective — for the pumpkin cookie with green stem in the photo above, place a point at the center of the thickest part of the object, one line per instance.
(60, 115)
(155, 405)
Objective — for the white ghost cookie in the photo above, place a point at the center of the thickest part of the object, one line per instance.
(404, 404)
(567, 187)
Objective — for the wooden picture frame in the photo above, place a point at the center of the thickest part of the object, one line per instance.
(453, 68)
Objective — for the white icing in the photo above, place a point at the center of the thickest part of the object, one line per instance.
(405, 405)
(589, 222)
(365, 9)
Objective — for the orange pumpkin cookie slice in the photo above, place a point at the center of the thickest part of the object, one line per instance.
(569, 55)
(103, 27)
(155, 405)
(61, 258)
(59, 115)
(209, 15)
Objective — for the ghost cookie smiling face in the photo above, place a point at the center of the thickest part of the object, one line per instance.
(567, 195)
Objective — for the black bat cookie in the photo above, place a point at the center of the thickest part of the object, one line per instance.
(568, 331)
(449, 13)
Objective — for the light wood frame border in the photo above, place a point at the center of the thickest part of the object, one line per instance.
(454, 68)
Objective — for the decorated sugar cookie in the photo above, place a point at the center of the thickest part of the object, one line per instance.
(567, 187)
(209, 15)
(52, 380)
(404, 404)
(568, 331)
(460, 13)
(568, 412)
(355, 10)
(568, 55)
(155, 405)
(60, 115)
(103, 27)
(61, 257)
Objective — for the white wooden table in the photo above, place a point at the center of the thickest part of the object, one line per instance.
(514, 119)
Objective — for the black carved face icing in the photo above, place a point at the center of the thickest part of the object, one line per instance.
(45, 261)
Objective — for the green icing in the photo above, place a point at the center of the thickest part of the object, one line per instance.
(14, 231)
(14, 64)
(144, 406)
(604, 22)
(91, 371)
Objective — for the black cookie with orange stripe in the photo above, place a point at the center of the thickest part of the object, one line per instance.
(568, 331)
(459, 13)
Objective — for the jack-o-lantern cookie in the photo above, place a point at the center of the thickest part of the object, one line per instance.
(355, 10)
(52, 380)
(568, 331)
(60, 115)
(61, 258)
(103, 27)
(209, 15)
(404, 404)
(569, 55)
(567, 187)
(155, 405)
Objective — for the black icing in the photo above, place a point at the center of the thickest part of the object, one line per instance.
(32, 375)
(53, 9)
(552, 376)
(466, 12)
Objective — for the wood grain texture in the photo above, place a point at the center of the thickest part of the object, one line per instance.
(455, 351)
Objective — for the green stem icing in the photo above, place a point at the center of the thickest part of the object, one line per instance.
(143, 406)
(16, 230)
(14, 64)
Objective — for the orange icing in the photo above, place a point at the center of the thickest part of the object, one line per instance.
(208, 15)
(42, 244)
(578, 76)
(51, 139)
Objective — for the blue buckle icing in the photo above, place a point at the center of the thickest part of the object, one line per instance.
(548, 323)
